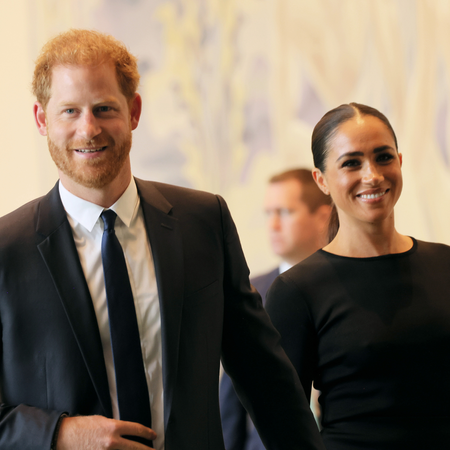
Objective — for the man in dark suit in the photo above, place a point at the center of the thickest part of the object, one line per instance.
(66, 346)
(298, 214)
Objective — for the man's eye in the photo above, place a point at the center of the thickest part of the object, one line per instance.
(70, 111)
(284, 212)
(104, 109)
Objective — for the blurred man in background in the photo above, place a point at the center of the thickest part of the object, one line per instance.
(297, 217)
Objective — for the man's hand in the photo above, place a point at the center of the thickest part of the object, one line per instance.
(100, 433)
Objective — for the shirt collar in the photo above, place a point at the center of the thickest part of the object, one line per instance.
(284, 266)
(87, 213)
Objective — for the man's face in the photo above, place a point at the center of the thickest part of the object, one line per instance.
(294, 231)
(88, 124)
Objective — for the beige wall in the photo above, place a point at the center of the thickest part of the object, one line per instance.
(232, 91)
(26, 170)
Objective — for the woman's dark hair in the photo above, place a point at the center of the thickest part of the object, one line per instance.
(326, 129)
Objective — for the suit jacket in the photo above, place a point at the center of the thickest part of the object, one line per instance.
(239, 432)
(51, 358)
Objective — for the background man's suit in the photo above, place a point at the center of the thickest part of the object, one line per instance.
(51, 358)
(239, 432)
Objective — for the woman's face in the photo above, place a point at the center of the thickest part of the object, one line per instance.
(362, 171)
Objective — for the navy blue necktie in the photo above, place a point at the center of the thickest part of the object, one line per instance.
(132, 389)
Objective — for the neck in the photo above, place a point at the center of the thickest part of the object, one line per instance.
(306, 252)
(369, 240)
(293, 260)
(105, 196)
(316, 242)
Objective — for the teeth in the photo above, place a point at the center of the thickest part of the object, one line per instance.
(89, 150)
(380, 194)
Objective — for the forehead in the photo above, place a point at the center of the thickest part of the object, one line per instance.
(361, 132)
(69, 80)
(284, 192)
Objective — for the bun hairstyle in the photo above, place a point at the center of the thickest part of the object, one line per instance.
(323, 133)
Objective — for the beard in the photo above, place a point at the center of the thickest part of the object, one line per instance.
(96, 172)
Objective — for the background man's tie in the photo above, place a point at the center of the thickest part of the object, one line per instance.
(132, 390)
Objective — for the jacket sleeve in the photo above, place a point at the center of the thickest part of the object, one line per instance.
(26, 428)
(265, 380)
(22, 426)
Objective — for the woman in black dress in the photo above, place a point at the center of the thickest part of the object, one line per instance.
(367, 318)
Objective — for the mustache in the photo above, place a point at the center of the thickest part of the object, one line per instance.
(96, 142)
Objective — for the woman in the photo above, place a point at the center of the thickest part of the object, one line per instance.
(367, 318)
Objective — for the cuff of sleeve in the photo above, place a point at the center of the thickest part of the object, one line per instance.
(56, 432)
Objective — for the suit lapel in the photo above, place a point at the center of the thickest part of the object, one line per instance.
(57, 248)
(165, 239)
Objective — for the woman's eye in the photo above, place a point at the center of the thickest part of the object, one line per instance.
(104, 108)
(385, 157)
(350, 163)
(70, 111)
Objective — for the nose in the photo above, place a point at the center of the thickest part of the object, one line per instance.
(88, 126)
(372, 174)
(273, 221)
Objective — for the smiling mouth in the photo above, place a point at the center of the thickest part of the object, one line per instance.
(90, 150)
(372, 196)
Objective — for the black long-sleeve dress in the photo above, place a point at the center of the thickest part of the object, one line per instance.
(374, 335)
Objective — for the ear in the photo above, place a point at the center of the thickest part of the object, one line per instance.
(135, 110)
(320, 181)
(39, 117)
(400, 157)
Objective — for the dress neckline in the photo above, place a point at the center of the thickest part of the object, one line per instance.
(371, 258)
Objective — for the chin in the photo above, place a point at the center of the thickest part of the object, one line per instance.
(98, 181)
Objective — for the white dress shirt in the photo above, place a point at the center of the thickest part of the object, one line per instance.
(87, 228)
(284, 266)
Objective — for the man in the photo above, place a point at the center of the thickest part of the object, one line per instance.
(100, 244)
(298, 214)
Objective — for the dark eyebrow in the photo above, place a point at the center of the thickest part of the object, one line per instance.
(375, 150)
(382, 148)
